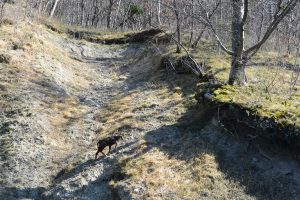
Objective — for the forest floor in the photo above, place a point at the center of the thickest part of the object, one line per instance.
(59, 96)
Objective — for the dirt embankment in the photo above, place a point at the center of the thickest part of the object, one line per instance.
(261, 130)
(243, 122)
(109, 38)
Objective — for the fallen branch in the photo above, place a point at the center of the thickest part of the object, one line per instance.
(198, 70)
(169, 63)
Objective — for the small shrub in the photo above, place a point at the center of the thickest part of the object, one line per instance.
(4, 58)
(17, 46)
(3, 87)
(7, 22)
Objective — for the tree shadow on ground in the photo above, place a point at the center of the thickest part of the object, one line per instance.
(100, 188)
(13, 193)
(188, 139)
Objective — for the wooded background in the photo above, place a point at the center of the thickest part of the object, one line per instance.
(143, 14)
(239, 27)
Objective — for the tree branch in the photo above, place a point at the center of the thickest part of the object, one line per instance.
(291, 4)
(246, 6)
(199, 70)
(210, 25)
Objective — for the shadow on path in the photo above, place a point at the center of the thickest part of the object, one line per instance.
(84, 183)
(261, 178)
(12, 193)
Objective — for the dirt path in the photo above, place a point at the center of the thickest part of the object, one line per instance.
(165, 145)
(54, 124)
(168, 151)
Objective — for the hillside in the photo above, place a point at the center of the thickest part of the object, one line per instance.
(60, 95)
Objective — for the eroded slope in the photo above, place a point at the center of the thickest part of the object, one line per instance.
(59, 96)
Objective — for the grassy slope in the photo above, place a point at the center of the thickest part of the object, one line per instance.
(268, 93)
(38, 83)
(179, 159)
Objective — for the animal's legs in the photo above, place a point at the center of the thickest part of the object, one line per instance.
(96, 154)
(109, 147)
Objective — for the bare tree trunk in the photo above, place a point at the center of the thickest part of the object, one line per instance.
(289, 36)
(117, 13)
(239, 55)
(40, 3)
(237, 71)
(28, 9)
(95, 17)
(178, 29)
(46, 6)
(192, 26)
(195, 44)
(53, 8)
(158, 12)
(151, 13)
(82, 7)
(238, 62)
(109, 13)
(126, 11)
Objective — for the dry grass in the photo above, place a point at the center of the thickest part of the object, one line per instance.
(68, 109)
(168, 177)
(118, 115)
(131, 109)
(28, 48)
(162, 170)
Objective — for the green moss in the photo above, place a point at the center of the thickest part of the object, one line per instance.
(281, 110)
(277, 104)
(225, 93)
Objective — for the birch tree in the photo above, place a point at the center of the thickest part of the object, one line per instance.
(178, 21)
(53, 8)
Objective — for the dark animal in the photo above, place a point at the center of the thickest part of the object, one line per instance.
(110, 141)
